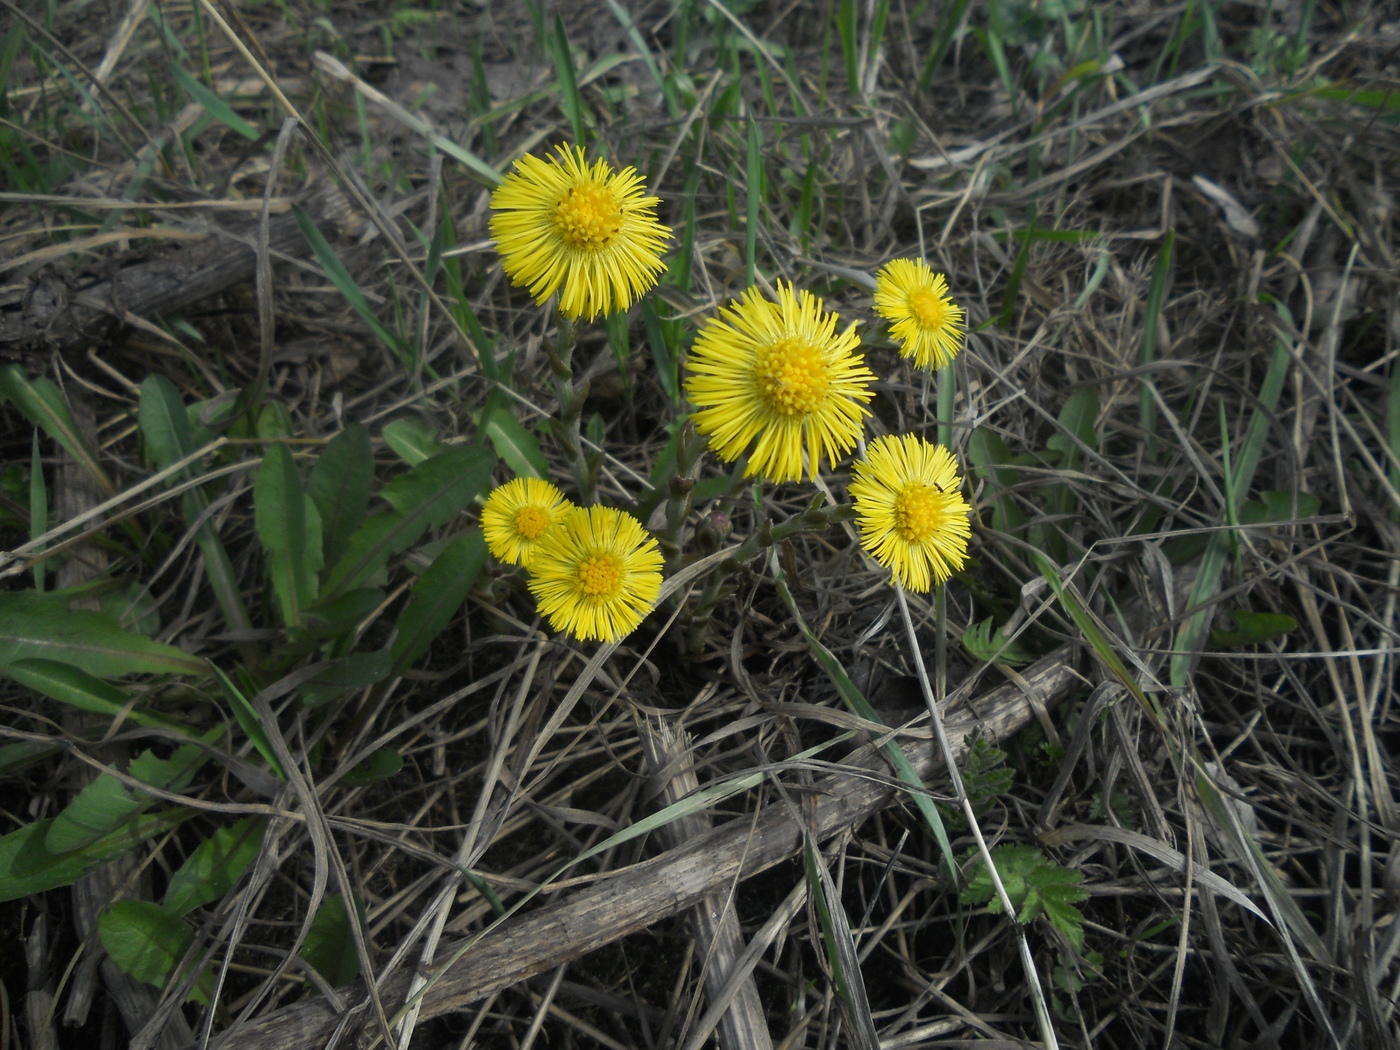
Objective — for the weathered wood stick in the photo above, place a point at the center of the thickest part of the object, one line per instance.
(54, 314)
(671, 883)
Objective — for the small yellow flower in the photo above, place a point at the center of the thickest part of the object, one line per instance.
(562, 222)
(516, 516)
(597, 574)
(909, 510)
(778, 376)
(914, 299)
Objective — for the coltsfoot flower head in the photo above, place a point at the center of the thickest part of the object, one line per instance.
(517, 515)
(914, 299)
(778, 376)
(597, 574)
(909, 510)
(582, 230)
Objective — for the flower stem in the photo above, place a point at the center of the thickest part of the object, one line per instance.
(571, 397)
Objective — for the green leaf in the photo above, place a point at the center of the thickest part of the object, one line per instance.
(380, 765)
(215, 866)
(991, 460)
(340, 485)
(516, 446)
(248, 719)
(41, 626)
(1035, 884)
(1279, 506)
(14, 757)
(146, 942)
(986, 776)
(41, 402)
(96, 810)
(280, 513)
(339, 677)
(437, 596)
(165, 425)
(425, 497)
(28, 866)
(330, 944)
(38, 507)
(986, 643)
(338, 617)
(412, 440)
(1253, 628)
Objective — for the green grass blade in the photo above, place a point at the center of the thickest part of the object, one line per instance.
(38, 508)
(1147, 352)
(345, 284)
(570, 101)
(41, 402)
(755, 202)
(1191, 636)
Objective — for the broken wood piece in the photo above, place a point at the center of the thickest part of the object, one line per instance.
(55, 314)
(719, 943)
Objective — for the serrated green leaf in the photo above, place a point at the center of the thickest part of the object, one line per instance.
(986, 643)
(425, 497)
(1034, 884)
(41, 402)
(437, 596)
(42, 627)
(28, 866)
(412, 440)
(330, 944)
(340, 485)
(215, 866)
(380, 765)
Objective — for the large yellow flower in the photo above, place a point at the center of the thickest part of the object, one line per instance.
(914, 299)
(516, 516)
(778, 376)
(597, 574)
(909, 510)
(559, 222)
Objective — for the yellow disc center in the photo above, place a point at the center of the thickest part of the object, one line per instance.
(588, 217)
(600, 575)
(530, 522)
(792, 377)
(918, 512)
(930, 309)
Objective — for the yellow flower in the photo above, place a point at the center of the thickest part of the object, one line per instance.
(516, 515)
(914, 299)
(778, 376)
(561, 222)
(911, 516)
(597, 574)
